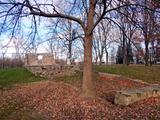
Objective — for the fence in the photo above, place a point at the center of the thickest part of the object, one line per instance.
(10, 60)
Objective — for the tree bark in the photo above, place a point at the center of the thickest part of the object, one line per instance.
(100, 59)
(70, 40)
(124, 50)
(88, 85)
(146, 51)
(70, 52)
(106, 56)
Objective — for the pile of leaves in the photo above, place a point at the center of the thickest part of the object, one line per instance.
(62, 101)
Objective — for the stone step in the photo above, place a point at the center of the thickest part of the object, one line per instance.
(127, 97)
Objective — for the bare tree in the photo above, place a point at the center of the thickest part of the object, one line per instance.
(4, 49)
(68, 37)
(64, 34)
(101, 40)
(147, 22)
(12, 11)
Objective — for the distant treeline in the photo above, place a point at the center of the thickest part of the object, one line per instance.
(11, 62)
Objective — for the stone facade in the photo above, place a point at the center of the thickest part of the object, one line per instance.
(33, 59)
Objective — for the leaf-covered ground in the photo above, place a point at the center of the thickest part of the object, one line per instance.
(49, 100)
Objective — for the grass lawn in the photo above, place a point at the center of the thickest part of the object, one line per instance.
(148, 74)
(12, 76)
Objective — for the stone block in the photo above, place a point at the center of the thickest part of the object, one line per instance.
(127, 97)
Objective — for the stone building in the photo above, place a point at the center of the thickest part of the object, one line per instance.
(33, 59)
(45, 65)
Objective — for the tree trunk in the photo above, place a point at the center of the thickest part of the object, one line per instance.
(96, 60)
(70, 43)
(124, 50)
(100, 59)
(70, 52)
(106, 57)
(146, 52)
(88, 85)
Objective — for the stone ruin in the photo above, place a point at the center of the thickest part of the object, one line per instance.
(44, 65)
(33, 59)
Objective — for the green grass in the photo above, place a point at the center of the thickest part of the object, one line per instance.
(148, 74)
(13, 76)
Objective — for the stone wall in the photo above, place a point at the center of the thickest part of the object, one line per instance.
(50, 71)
